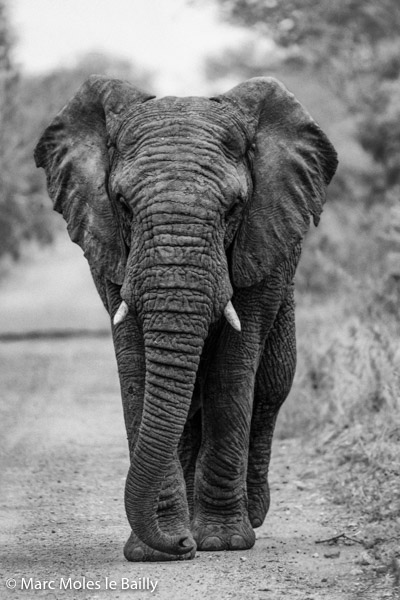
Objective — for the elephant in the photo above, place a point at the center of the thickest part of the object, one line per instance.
(191, 212)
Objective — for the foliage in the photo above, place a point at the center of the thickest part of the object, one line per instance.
(346, 394)
(11, 186)
(345, 30)
(251, 59)
(21, 217)
(346, 399)
(379, 130)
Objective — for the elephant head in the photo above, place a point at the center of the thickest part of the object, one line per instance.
(180, 201)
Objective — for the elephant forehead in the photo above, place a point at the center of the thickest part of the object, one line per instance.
(183, 118)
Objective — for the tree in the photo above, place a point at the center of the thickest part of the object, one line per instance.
(21, 199)
(324, 30)
(10, 204)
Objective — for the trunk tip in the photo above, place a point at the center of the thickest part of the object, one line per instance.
(187, 542)
(185, 546)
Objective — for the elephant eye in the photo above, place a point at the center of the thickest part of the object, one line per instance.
(122, 203)
(232, 210)
(121, 200)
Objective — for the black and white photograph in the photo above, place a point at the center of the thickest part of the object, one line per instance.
(199, 299)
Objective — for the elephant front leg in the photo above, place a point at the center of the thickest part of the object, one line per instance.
(220, 520)
(172, 509)
(273, 383)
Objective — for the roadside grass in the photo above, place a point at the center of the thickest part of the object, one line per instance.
(346, 400)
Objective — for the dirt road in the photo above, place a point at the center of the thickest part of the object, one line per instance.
(64, 461)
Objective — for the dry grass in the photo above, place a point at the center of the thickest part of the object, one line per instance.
(347, 369)
(346, 398)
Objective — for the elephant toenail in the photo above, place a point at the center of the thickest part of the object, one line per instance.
(256, 522)
(211, 543)
(237, 542)
(138, 554)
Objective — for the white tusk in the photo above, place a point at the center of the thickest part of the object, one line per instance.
(121, 313)
(231, 316)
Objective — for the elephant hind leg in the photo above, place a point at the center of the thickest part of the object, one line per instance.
(273, 382)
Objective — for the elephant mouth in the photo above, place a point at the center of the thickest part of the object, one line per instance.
(229, 313)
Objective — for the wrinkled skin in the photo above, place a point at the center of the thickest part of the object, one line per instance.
(181, 205)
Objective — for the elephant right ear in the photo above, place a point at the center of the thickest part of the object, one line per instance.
(292, 163)
(73, 151)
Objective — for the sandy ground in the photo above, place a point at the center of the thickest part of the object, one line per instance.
(64, 461)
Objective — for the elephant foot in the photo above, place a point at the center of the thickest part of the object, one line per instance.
(136, 551)
(224, 536)
(258, 506)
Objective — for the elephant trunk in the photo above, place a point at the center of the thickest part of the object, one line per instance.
(171, 364)
(176, 306)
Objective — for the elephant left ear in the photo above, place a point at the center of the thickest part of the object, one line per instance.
(292, 164)
(74, 152)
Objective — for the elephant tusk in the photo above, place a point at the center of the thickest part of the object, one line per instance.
(231, 316)
(121, 313)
